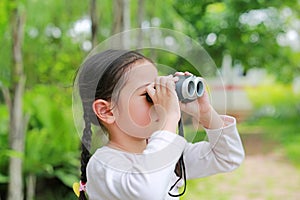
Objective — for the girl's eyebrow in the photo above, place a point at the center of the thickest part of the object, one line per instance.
(144, 85)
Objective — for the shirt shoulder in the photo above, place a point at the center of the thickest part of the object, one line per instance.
(163, 150)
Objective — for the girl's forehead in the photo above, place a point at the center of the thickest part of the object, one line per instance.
(142, 71)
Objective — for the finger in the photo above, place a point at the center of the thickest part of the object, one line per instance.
(157, 84)
(163, 83)
(188, 73)
(170, 86)
(151, 92)
(175, 78)
(150, 89)
(171, 80)
(179, 74)
(182, 105)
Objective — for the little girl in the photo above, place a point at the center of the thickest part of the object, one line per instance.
(121, 91)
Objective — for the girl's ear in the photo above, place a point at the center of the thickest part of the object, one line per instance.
(102, 110)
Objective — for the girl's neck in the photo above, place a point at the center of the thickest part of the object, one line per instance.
(120, 140)
(128, 144)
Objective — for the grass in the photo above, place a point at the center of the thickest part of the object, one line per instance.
(277, 115)
(284, 130)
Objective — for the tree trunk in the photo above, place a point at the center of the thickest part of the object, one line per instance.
(121, 10)
(118, 23)
(118, 14)
(126, 23)
(140, 19)
(94, 19)
(17, 129)
(31, 184)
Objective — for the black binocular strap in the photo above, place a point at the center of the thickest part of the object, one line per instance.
(180, 167)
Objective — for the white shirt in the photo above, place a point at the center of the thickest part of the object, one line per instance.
(118, 175)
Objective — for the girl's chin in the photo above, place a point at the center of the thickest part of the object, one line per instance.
(142, 131)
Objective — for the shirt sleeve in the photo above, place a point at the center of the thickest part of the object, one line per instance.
(113, 174)
(223, 152)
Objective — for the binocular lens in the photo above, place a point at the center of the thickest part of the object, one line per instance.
(191, 88)
(200, 88)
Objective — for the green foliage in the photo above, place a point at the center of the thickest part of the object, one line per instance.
(4, 152)
(275, 99)
(5, 10)
(277, 114)
(281, 129)
(192, 135)
(52, 142)
(3, 13)
(234, 30)
(50, 54)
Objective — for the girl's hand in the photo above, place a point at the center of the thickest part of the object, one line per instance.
(201, 108)
(198, 107)
(165, 100)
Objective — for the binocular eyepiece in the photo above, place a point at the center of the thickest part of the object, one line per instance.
(188, 88)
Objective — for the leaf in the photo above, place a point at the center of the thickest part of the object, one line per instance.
(3, 178)
(11, 153)
(67, 178)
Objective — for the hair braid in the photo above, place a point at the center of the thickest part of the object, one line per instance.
(85, 154)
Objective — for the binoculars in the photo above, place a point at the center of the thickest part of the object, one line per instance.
(188, 88)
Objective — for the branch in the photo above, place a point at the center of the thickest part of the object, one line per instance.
(7, 98)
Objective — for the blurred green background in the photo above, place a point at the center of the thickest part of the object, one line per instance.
(44, 42)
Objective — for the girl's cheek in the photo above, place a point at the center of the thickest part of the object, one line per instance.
(140, 113)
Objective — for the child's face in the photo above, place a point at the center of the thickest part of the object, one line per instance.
(135, 116)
